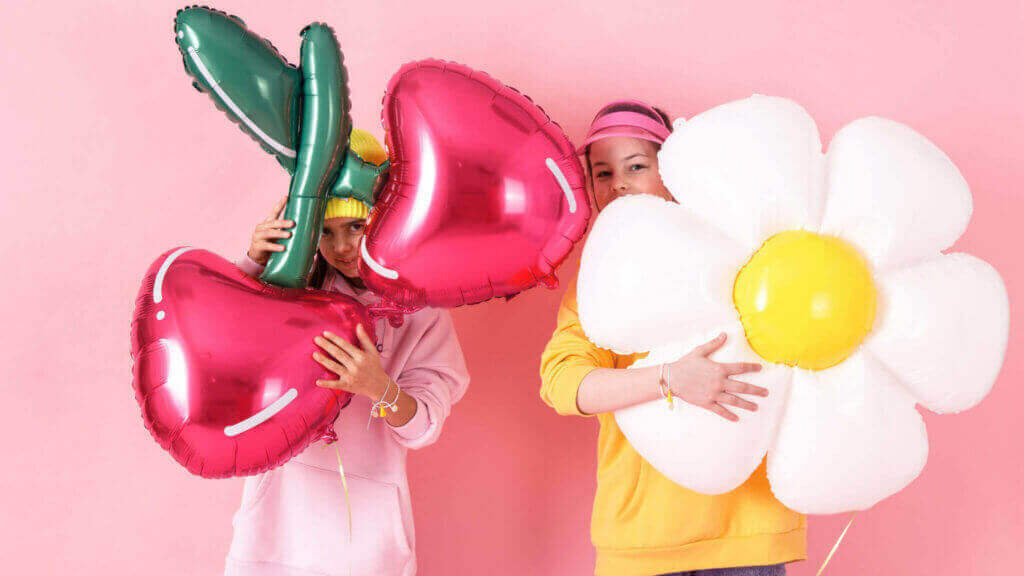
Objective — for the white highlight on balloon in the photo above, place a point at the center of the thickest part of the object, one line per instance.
(563, 183)
(263, 415)
(177, 374)
(426, 185)
(158, 286)
(160, 315)
(374, 265)
(281, 148)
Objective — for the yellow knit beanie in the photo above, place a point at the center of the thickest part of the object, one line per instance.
(366, 147)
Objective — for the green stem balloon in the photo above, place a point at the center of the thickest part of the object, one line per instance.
(326, 126)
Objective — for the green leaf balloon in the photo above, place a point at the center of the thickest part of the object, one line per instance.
(246, 77)
(300, 115)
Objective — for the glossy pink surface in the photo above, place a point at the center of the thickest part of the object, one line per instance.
(223, 367)
(485, 197)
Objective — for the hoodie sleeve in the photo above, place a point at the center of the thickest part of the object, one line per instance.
(568, 358)
(248, 266)
(436, 377)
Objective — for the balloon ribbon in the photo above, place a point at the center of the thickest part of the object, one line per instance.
(836, 545)
(348, 506)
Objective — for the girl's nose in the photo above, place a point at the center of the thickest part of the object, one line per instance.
(350, 245)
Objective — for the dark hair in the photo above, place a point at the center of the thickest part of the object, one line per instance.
(630, 107)
(319, 273)
(627, 107)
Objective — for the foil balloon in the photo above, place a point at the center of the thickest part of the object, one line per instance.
(223, 368)
(301, 115)
(485, 197)
(828, 267)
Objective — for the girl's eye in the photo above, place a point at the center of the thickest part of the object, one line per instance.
(325, 232)
(637, 167)
(358, 228)
(603, 174)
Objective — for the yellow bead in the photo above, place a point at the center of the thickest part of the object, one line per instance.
(805, 300)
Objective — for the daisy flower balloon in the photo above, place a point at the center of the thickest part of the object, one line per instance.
(827, 268)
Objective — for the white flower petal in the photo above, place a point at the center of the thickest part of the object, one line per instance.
(943, 329)
(850, 436)
(652, 274)
(752, 168)
(699, 449)
(893, 193)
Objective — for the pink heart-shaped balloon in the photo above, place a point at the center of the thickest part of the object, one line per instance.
(223, 367)
(485, 196)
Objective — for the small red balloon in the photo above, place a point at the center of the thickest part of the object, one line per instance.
(485, 196)
(223, 367)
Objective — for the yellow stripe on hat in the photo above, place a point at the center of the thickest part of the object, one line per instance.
(346, 208)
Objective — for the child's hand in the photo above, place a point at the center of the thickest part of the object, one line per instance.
(358, 371)
(262, 237)
(703, 382)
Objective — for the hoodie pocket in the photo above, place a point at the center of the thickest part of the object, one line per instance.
(301, 517)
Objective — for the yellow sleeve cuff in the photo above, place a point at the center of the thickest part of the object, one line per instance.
(563, 396)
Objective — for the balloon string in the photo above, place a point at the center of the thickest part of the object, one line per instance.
(348, 507)
(836, 545)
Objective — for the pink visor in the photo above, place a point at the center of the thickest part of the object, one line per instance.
(625, 123)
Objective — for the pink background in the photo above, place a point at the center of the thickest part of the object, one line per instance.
(110, 157)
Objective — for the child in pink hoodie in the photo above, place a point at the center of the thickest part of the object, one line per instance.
(294, 520)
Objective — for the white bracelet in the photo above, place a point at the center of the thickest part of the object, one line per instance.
(377, 410)
(665, 385)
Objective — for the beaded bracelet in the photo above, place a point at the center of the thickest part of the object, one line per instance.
(665, 385)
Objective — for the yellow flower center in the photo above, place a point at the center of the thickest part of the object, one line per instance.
(805, 300)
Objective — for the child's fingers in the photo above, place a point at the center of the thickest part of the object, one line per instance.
(265, 246)
(738, 387)
(723, 412)
(339, 384)
(278, 208)
(331, 365)
(345, 345)
(735, 368)
(711, 345)
(369, 346)
(736, 401)
(274, 224)
(337, 353)
(273, 233)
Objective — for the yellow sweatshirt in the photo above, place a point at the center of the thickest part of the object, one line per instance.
(643, 523)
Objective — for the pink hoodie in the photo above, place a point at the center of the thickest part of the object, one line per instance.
(293, 519)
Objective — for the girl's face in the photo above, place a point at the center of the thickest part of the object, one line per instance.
(622, 166)
(339, 244)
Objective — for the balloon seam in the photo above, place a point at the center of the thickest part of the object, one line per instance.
(266, 138)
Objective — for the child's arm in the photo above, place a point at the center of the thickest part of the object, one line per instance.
(580, 378)
(435, 375)
(694, 378)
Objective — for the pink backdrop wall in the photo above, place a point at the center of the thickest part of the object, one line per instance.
(109, 157)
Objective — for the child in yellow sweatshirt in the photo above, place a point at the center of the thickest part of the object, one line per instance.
(644, 524)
